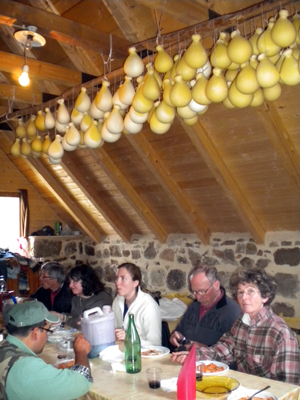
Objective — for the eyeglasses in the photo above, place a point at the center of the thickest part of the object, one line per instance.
(201, 292)
(47, 330)
(248, 292)
(44, 277)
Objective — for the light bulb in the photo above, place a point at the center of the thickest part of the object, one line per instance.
(24, 79)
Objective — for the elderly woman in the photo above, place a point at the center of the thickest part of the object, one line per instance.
(88, 290)
(259, 341)
(131, 299)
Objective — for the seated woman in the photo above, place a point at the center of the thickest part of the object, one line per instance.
(259, 341)
(88, 290)
(131, 299)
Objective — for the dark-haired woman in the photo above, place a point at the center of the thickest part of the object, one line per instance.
(88, 290)
(131, 299)
(259, 341)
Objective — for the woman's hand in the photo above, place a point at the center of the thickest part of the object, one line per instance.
(179, 357)
(120, 334)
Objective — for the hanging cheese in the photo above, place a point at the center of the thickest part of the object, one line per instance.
(31, 128)
(62, 116)
(15, 148)
(133, 65)
(55, 150)
(103, 99)
(195, 55)
(216, 88)
(163, 61)
(126, 91)
(239, 49)
(20, 130)
(180, 94)
(283, 32)
(40, 121)
(83, 102)
(49, 119)
(266, 73)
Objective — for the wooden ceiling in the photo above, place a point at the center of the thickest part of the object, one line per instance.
(234, 171)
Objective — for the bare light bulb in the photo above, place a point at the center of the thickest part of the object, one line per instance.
(24, 79)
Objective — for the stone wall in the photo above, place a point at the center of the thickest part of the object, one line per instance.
(165, 266)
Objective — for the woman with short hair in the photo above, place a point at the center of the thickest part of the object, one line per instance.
(88, 290)
(131, 299)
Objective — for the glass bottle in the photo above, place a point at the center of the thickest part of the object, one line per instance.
(3, 287)
(132, 346)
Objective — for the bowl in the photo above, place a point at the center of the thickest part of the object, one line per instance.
(216, 386)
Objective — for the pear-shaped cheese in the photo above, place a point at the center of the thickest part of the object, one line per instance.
(158, 127)
(25, 149)
(126, 91)
(265, 43)
(216, 88)
(151, 89)
(258, 98)
(55, 150)
(253, 40)
(266, 73)
(238, 99)
(72, 136)
(31, 128)
(185, 70)
(163, 61)
(20, 130)
(92, 136)
(239, 49)
(130, 126)
(62, 116)
(83, 102)
(86, 122)
(272, 93)
(180, 94)
(164, 113)
(246, 81)
(289, 71)
(103, 99)
(114, 122)
(195, 55)
(37, 145)
(283, 32)
(46, 144)
(133, 65)
(40, 121)
(219, 56)
(76, 116)
(15, 148)
(199, 90)
(49, 119)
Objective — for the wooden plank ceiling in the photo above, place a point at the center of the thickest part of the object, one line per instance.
(234, 171)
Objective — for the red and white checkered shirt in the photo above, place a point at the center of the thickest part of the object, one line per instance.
(264, 347)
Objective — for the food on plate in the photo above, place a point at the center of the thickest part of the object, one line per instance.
(210, 368)
(65, 364)
(256, 398)
(151, 352)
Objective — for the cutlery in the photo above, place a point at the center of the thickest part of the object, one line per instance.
(261, 390)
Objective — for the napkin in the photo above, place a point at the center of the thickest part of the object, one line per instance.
(186, 385)
(112, 354)
(117, 367)
(169, 385)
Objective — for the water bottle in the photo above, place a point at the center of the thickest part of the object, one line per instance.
(3, 287)
(132, 346)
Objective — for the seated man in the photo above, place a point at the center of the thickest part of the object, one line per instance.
(54, 293)
(211, 314)
(26, 376)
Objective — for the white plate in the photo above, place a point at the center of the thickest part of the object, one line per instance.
(162, 351)
(217, 363)
(245, 392)
(60, 335)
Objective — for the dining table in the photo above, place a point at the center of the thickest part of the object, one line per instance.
(110, 385)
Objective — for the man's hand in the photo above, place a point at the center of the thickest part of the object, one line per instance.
(179, 357)
(176, 338)
(82, 347)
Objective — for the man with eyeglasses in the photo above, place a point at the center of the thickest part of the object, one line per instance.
(26, 376)
(210, 315)
(54, 293)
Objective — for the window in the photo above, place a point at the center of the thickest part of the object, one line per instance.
(9, 220)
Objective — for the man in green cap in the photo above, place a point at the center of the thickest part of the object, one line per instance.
(26, 376)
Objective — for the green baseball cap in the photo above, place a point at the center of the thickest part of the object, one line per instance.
(29, 313)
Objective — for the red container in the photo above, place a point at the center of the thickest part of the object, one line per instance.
(186, 384)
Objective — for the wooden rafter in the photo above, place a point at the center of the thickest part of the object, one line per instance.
(18, 93)
(61, 29)
(210, 155)
(170, 186)
(39, 70)
(140, 207)
(280, 138)
(91, 193)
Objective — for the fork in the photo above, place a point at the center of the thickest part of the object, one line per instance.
(254, 394)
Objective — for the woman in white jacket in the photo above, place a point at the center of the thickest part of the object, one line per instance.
(131, 299)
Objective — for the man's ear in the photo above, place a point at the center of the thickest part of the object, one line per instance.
(34, 333)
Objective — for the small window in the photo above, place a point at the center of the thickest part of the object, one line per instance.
(10, 220)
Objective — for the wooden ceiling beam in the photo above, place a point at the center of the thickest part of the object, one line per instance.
(18, 93)
(39, 70)
(140, 207)
(280, 139)
(92, 194)
(210, 155)
(210, 28)
(153, 162)
(59, 192)
(188, 11)
(61, 29)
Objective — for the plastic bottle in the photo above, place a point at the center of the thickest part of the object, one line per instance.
(132, 346)
(3, 286)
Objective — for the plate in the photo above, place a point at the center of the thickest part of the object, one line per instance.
(220, 387)
(162, 351)
(217, 363)
(245, 392)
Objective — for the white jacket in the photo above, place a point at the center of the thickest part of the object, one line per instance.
(147, 317)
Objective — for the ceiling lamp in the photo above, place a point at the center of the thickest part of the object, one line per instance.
(29, 38)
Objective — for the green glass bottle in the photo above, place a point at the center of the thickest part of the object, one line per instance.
(132, 346)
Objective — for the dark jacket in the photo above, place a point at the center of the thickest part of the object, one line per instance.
(62, 301)
(212, 325)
